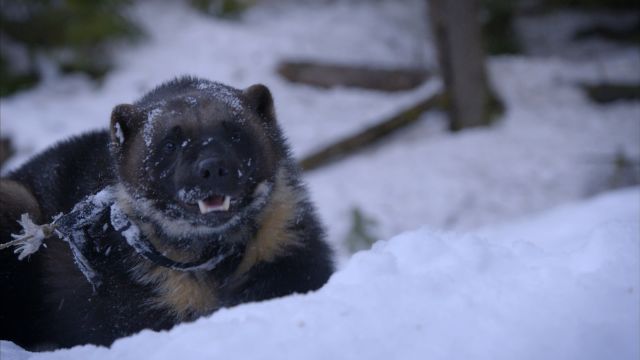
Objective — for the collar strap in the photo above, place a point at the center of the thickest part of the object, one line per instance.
(141, 244)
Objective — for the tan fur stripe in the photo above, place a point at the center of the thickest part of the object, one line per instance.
(187, 295)
(191, 294)
(16, 199)
(273, 236)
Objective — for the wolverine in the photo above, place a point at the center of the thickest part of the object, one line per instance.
(190, 202)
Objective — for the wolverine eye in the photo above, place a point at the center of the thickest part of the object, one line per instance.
(169, 147)
(235, 136)
(232, 131)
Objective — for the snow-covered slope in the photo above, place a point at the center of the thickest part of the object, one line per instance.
(561, 285)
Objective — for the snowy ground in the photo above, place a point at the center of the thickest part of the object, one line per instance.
(562, 285)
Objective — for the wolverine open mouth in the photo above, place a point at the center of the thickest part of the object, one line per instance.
(206, 204)
(214, 203)
(202, 202)
(218, 207)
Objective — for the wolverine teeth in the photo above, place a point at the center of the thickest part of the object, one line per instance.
(204, 208)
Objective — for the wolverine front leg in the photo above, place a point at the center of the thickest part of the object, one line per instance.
(19, 279)
(15, 200)
(304, 269)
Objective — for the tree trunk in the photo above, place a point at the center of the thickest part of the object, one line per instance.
(331, 75)
(457, 30)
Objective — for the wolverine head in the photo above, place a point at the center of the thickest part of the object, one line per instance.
(197, 156)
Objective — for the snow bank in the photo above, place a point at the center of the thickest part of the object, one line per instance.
(563, 285)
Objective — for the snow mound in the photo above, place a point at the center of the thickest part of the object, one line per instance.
(564, 285)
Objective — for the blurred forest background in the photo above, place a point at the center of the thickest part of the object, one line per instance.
(82, 38)
(76, 34)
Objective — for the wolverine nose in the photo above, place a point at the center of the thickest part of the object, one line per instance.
(212, 168)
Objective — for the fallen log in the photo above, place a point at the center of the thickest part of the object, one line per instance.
(608, 93)
(369, 136)
(332, 75)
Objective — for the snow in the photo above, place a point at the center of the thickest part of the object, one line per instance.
(147, 133)
(560, 285)
(71, 228)
(550, 147)
(222, 93)
(129, 231)
(483, 277)
(119, 134)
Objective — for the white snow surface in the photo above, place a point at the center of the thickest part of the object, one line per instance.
(561, 285)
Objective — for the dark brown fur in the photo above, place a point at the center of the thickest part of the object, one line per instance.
(270, 242)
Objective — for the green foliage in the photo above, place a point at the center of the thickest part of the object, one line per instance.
(612, 170)
(222, 8)
(497, 28)
(12, 81)
(626, 171)
(72, 23)
(494, 108)
(73, 33)
(610, 4)
(360, 236)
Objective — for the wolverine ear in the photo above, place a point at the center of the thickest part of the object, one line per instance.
(125, 119)
(259, 99)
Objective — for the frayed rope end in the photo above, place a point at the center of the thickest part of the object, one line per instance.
(31, 238)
